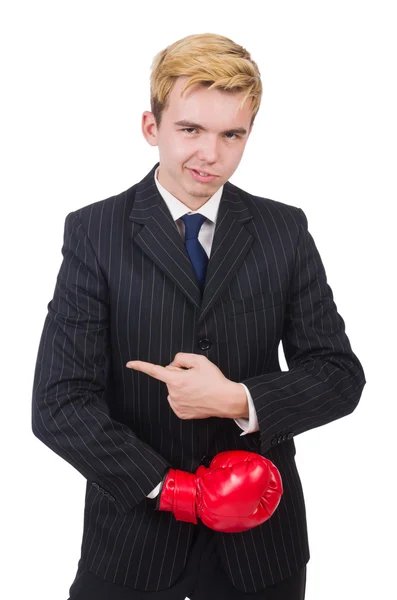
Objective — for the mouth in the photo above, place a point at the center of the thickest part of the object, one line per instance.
(203, 178)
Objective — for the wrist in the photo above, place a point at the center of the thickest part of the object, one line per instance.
(238, 401)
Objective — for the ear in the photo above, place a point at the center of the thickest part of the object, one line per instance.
(149, 128)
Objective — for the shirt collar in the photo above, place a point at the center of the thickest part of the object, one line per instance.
(178, 208)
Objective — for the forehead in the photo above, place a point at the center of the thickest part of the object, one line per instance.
(214, 105)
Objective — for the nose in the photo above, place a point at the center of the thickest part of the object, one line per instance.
(209, 151)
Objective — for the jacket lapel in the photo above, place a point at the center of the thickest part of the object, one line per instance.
(161, 241)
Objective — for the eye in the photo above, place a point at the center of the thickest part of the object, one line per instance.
(235, 135)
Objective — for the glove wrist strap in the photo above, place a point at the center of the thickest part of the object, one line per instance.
(178, 495)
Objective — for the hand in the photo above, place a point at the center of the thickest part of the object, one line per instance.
(197, 389)
(238, 491)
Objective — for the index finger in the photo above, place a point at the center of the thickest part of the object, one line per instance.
(153, 370)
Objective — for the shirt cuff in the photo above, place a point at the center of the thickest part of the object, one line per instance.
(251, 424)
(155, 492)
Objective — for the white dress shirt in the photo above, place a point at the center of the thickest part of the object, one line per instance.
(205, 237)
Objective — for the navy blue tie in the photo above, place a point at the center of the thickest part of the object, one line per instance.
(196, 252)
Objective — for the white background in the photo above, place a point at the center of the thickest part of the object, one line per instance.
(75, 81)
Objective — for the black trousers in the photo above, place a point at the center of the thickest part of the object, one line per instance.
(203, 579)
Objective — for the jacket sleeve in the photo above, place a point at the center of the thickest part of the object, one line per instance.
(325, 379)
(70, 413)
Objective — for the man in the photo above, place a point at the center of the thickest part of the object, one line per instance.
(159, 353)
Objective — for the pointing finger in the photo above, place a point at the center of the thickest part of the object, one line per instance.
(156, 371)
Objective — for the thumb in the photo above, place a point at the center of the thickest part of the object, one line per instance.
(184, 360)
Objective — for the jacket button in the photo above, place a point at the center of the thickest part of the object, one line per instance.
(274, 441)
(290, 435)
(204, 344)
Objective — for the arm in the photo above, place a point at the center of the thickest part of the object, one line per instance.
(325, 378)
(70, 413)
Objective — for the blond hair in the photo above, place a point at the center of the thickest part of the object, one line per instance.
(212, 60)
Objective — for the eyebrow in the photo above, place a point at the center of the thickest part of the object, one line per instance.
(189, 124)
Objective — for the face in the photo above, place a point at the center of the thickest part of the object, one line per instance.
(216, 147)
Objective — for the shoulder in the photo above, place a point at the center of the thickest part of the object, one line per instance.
(271, 211)
(105, 211)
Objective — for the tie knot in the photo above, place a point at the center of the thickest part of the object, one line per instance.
(192, 225)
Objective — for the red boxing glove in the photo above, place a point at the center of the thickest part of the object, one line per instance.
(238, 491)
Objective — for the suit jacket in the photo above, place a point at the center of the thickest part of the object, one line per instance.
(126, 290)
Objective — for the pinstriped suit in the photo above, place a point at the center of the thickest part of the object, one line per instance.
(126, 289)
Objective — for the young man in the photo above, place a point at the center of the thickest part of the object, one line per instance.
(197, 281)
